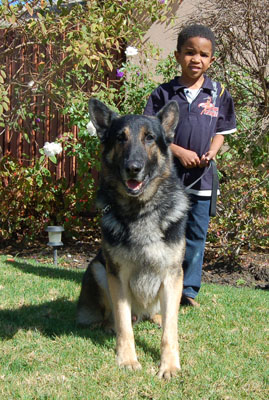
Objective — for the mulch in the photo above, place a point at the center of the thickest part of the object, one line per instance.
(250, 269)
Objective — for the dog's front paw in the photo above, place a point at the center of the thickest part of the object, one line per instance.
(132, 365)
(168, 371)
(157, 319)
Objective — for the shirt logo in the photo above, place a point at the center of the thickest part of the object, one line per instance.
(209, 108)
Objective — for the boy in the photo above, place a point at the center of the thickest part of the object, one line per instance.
(206, 115)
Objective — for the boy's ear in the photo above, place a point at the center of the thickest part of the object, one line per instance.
(101, 117)
(213, 58)
(169, 117)
(177, 55)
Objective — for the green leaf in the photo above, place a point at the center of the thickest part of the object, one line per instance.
(53, 159)
(26, 137)
(5, 106)
(12, 19)
(29, 9)
(109, 64)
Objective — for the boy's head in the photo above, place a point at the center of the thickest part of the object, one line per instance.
(196, 30)
(195, 53)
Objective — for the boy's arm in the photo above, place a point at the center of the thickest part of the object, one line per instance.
(216, 144)
(188, 158)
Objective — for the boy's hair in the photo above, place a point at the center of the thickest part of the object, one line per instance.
(195, 30)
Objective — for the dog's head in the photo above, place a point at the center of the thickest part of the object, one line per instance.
(135, 148)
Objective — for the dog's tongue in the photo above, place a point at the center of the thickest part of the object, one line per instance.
(133, 184)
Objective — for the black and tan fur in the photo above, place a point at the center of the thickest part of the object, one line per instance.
(138, 272)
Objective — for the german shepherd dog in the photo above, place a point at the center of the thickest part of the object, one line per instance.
(138, 272)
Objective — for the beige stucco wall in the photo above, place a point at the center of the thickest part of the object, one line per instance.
(166, 36)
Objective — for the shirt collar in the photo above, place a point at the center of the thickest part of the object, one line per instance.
(176, 85)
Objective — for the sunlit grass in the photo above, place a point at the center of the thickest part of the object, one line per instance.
(44, 355)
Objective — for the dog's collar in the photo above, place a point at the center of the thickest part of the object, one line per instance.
(106, 209)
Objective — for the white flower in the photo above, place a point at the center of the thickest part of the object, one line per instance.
(131, 51)
(91, 129)
(51, 149)
(31, 84)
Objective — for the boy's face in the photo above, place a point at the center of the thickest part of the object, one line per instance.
(195, 57)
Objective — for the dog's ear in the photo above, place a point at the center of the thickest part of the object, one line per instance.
(169, 117)
(101, 117)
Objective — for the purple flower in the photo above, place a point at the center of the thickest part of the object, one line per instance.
(162, 1)
(119, 74)
(37, 120)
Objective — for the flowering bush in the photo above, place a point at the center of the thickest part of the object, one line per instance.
(91, 129)
(131, 51)
(52, 149)
(71, 65)
(138, 81)
(31, 199)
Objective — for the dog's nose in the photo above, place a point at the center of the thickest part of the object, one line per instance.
(133, 167)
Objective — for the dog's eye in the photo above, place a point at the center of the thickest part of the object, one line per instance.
(149, 138)
(121, 137)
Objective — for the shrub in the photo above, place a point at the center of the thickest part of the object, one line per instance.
(242, 216)
(30, 199)
(69, 53)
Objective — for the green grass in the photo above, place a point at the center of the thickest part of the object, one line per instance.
(43, 355)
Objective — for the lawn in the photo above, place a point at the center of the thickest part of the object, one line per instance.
(44, 355)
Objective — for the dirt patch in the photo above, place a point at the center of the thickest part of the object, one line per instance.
(251, 269)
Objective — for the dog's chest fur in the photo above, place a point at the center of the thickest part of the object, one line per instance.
(141, 251)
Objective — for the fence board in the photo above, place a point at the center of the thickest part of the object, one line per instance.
(54, 125)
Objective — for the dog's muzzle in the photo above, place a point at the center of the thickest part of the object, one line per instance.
(134, 177)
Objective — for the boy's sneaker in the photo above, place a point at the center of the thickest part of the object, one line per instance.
(188, 301)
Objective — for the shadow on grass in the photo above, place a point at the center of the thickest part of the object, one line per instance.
(57, 317)
(46, 271)
(148, 348)
(51, 319)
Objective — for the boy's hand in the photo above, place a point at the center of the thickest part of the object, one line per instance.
(205, 159)
(216, 144)
(188, 158)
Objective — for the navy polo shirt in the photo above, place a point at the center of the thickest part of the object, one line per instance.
(210, 113)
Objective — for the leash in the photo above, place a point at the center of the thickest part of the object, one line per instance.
(215, 184)
(203, 174)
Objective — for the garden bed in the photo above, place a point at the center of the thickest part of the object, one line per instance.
(249, 270)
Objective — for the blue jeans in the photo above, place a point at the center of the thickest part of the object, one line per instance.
(196, 231)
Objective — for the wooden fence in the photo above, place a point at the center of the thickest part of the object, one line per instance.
(24, 143)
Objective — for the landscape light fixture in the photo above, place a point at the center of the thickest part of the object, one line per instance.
(55, 239)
